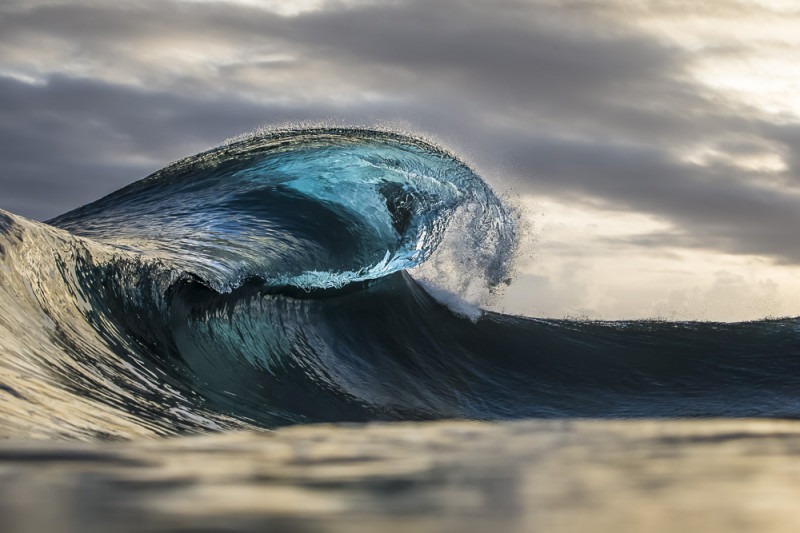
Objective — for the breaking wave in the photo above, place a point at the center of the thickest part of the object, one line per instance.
(266, 283)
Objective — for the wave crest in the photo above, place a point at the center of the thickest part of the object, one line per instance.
(313, 209)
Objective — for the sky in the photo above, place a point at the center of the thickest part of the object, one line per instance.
(652, 147)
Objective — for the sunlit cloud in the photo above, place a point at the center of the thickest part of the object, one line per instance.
(595, 263)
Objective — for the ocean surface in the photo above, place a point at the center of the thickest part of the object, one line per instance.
(312, 276)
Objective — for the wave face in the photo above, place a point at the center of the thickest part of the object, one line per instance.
(265, 283)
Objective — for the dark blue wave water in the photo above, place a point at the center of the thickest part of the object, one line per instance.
(266, 283)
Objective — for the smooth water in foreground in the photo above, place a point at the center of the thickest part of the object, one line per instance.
(557, 476)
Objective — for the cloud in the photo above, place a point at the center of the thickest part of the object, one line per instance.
(709, 202)
(70, 141)
(577, 99)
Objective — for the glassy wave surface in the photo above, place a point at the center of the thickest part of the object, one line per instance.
(265, 283)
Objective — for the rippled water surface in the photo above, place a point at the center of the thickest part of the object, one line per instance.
(562, 476)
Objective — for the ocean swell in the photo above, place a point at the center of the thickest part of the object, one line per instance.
(265, 283)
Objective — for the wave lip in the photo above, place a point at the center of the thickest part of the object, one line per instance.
(317, 208)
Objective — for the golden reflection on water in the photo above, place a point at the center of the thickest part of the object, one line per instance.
(660, 476)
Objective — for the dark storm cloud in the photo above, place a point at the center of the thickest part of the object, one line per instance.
(789, 136)
(563, 99)
(505, 60)
(67, 142)
(70, 141)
